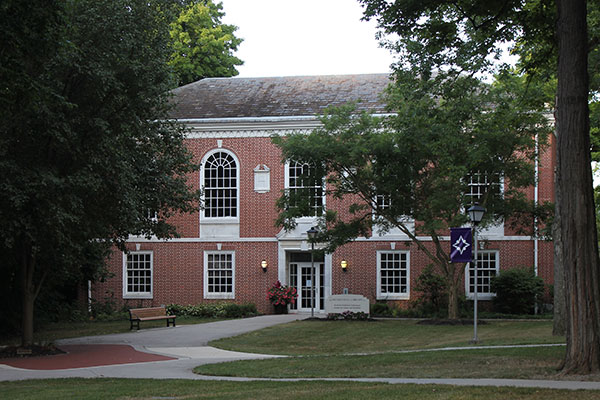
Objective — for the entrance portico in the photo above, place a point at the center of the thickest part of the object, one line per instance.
(295, 270)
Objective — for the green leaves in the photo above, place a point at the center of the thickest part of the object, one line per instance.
(418, 160)
(410, 171)
(86, 148)
(202, 46)
(461, 35)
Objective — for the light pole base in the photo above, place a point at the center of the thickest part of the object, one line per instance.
(474, 341)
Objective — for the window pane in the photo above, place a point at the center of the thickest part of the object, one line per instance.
(480, 183)
(487, 267)
(138, 273)
(393, 271)
(220, 186)
(303, 187)
(220, 273)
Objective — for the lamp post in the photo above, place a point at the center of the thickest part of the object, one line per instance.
(475, 215)
(312, 233)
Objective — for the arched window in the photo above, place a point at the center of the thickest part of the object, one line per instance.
(220, 182)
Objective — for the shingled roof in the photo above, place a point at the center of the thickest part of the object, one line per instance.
(277, 96)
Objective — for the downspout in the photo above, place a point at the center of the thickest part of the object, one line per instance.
(535, 222)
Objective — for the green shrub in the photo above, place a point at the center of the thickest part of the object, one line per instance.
(407, 313)
(381, 310)
(213, 310)
(433, 298)
(517, 290)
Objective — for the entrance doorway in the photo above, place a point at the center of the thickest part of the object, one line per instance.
(300, 277)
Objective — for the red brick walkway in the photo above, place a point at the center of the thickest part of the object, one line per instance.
(85, 355)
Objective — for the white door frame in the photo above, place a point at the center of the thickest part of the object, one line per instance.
(287, 245)
(302, 280)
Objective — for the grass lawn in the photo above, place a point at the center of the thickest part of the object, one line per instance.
(370, 349)
(522, 363)
(133, 389)
(48, 333)
(346, 337)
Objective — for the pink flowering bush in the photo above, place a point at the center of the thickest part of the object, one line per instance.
(282, 294)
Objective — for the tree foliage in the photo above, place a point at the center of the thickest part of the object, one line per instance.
(415, 165)
(86, 149)
(552, 36)
(202, 46)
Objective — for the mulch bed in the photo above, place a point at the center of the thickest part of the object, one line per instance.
(84, 356)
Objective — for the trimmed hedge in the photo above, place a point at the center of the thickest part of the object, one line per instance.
(517, 290)
(213, 310)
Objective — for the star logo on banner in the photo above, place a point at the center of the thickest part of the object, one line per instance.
(461, 245)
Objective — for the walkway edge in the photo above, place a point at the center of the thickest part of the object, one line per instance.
(524, 383)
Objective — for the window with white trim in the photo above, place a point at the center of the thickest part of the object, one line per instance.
(488, 266)
(383, 201)
(480, 183)
(393, 275)
(220, 184)
(302, 183)
(137, 274)
(219, 275)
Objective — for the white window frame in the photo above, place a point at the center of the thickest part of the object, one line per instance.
(138, 295)
(393, 296)
(381, 202)
(229, 219)
(482, 295)
(287, 188)
(470, 185)
(219, 295)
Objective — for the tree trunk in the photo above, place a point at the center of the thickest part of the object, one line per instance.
(559, 326)
(28, 293)
(27, 319)
(453, 295)
(574, 189)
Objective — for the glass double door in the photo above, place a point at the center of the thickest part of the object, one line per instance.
(301, 277)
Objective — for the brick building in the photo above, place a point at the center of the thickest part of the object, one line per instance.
(232, 249)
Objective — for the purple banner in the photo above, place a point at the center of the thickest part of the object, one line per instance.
(460, 245)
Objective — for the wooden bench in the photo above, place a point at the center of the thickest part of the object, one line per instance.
(136, 315)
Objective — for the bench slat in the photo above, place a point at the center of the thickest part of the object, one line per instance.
(155, 318)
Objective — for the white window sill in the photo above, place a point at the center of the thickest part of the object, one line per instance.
(402, 296)
(222, 296)
(217, 220)
(481, 296)
(138, 296)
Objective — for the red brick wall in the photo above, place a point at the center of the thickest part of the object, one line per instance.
(179, 274)
(178, 265)
(178, 269)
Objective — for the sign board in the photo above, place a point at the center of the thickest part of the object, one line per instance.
(460, 245)
(339, 303)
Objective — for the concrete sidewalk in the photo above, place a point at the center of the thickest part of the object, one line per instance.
(187, 335)
(129, 351)
(188, 344)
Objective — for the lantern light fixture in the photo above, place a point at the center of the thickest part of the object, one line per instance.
(476, 213)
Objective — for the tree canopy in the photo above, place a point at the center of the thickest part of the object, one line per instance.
(466, 36)
(87, 152)
(412, 170)
(202, 46)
